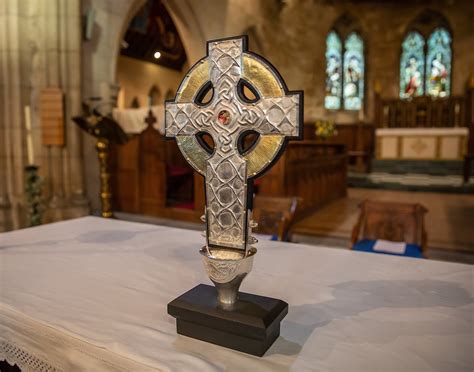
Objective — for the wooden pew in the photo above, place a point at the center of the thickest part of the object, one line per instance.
(359, 139)
(151, 177)
(313, 171)
(142, 176)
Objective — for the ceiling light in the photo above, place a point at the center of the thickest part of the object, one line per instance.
(157, 55)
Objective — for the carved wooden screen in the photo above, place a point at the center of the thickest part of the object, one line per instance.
(421, 112)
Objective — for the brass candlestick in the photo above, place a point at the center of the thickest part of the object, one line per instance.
(103, 149)
(107, 131)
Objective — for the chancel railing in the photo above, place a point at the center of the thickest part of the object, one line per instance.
(421, 112)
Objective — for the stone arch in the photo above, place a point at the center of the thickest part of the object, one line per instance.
(427, 21)
(154, 96)
(188, 26)
(100, 56)
(346, 24)
(184, 20)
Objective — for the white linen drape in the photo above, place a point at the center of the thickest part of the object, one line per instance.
(34, 346)
(133, 120)
(108, 282)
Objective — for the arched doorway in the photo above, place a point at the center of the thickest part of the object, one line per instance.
(150, 175)
(99, 63)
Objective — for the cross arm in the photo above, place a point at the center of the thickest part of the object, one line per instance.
(185, 119)
(279, 115)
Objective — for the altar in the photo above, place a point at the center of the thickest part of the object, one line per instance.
(423, 128)
(422, 143)
(91, 293)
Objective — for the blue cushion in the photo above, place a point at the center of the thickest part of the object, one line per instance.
(266, 237)
(366, 245)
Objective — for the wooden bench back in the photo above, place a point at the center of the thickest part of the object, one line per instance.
(274, 215)
(392, 221)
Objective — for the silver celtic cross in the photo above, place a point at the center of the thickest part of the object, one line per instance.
(275, 114)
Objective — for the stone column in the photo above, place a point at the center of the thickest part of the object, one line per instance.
(11, 149)
(70, 12)
(53, 63)
(99, 71)
(5, 205)
(40, 46)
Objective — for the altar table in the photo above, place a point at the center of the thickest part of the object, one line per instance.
(422, 143)
(91, 295)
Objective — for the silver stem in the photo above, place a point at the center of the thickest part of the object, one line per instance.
(227, 293)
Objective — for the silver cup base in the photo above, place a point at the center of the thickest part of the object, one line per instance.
(227, 268)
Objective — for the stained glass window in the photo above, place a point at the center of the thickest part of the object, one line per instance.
(353, 72)
(332, 100)
(412, 66)
(438, 63)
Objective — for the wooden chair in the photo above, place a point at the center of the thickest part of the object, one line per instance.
(396, 222)
(275, 215)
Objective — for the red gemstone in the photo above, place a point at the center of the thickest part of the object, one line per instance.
(223, 117)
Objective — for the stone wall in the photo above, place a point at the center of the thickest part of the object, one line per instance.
(136, 78)
(292, 35)
(40, 46)
(298, 45)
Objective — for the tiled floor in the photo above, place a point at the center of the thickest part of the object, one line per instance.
(449, 221)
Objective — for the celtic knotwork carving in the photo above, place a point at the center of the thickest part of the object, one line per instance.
(225, 118)
(221, 271)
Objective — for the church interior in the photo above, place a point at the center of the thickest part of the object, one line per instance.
(388, 111)
(384, 165)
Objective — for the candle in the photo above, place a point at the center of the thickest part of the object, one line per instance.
(29, 136)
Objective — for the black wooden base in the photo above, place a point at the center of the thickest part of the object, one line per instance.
(251, 326)
(5, 367)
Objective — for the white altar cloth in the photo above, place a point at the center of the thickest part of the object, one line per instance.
(104, 286)
(132, 120)
(422, 143)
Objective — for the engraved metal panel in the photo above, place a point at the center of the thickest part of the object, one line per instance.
(275, 115)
